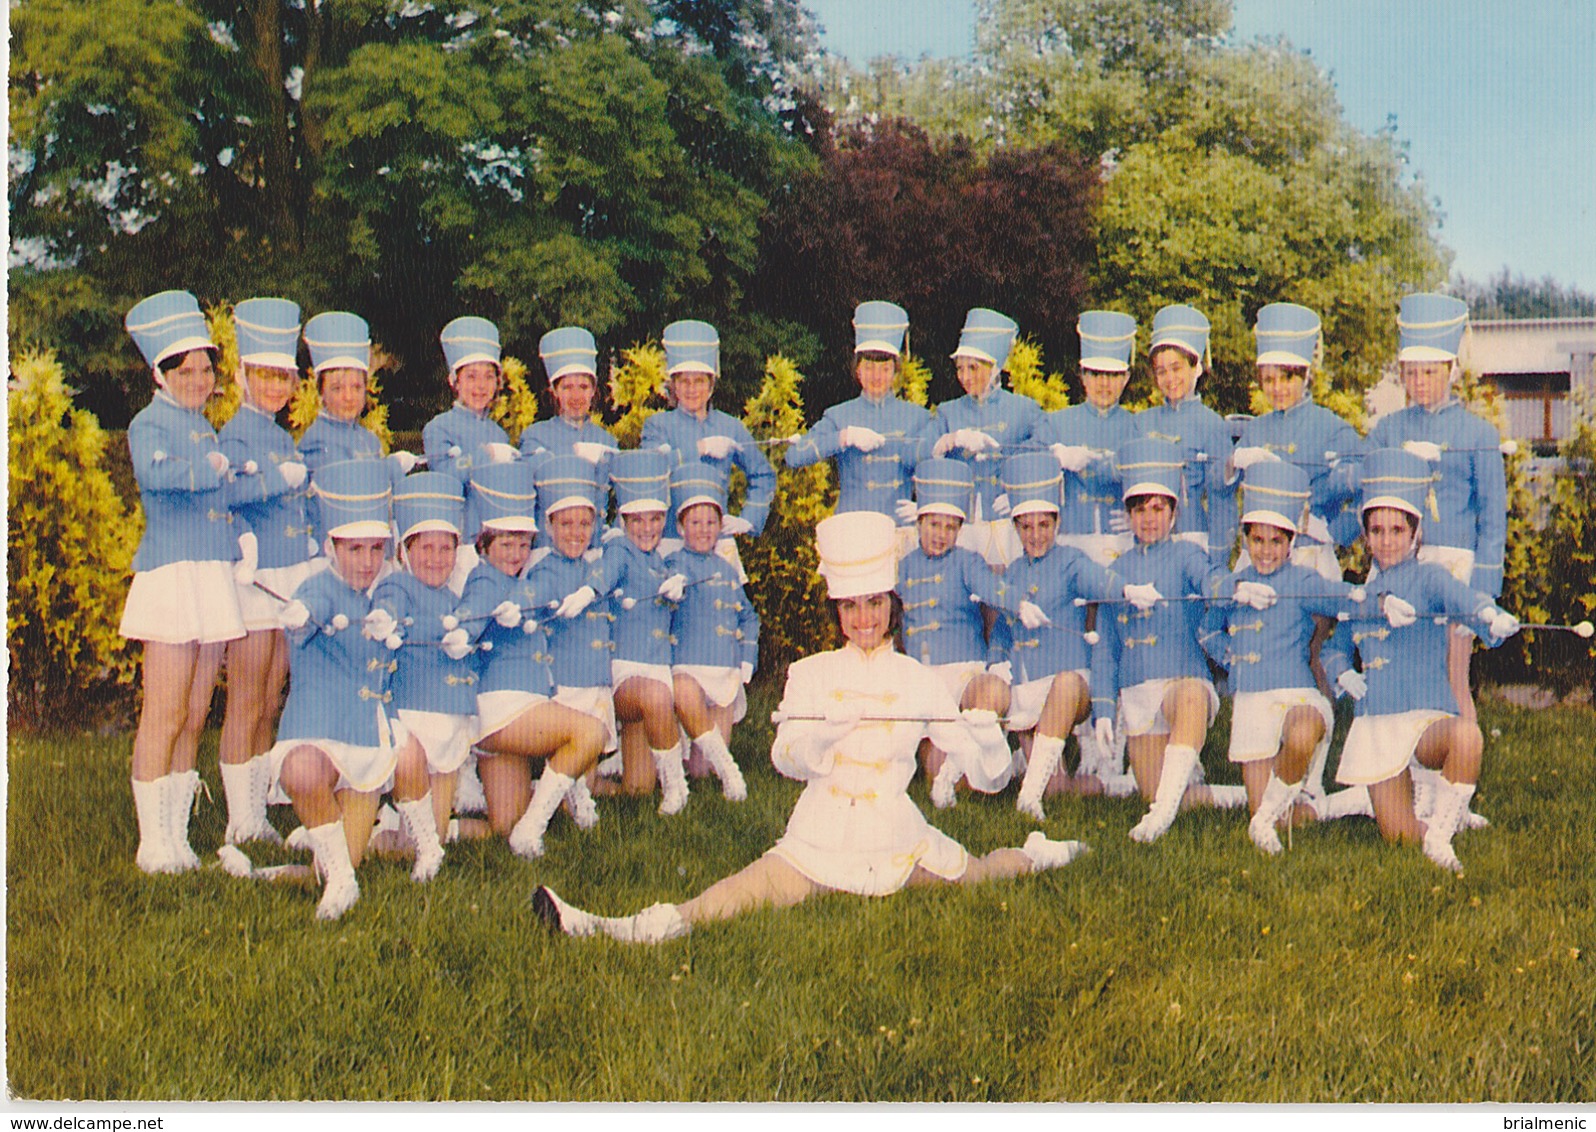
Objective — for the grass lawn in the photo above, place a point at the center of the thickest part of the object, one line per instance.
(1195, 969)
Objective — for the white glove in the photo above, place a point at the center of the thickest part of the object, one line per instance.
(248, 559)
(864, 439)
(612, 533)
(747, 671)
(408, 460)
(1255, 595)
(1003, 670)
(1143, 596)
(378, 625)
(575, 602)
(250, 468)
(1423, 449)
(846, 714)
(1104, 729)
(1398, 612)
(945, 785)
(733, 525)
(1072, 457)
(716, 447)
(338, 624)
(507, 614)
(1000, 504)
(454, 452)
(500, 452)
(218, 462)
(1031, 615)
(1244, 458)
(456, 644)
(1352, 683)
(1502, 623)
(907, 511)
(589, 451)
(1118, 522)
(671, 588)
(393, 642)
(1356, 595)
(942, 447)
(974, 441)
(295, 615)
(293, 473)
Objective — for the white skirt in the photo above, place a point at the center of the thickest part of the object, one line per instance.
(261, 611)
(496, 710)
(1258, 718)
(1028, 699)
(597, 702)
(723, 687)
(957, 675)
(1454, 559)
(623, 670)
(445, 739)
(1142, 706)
(869, 846)
(183, 603)
(365, 770)
(1378, 747)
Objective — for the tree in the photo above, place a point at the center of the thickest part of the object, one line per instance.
(1513, 296)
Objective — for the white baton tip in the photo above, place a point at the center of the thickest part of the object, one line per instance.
(1584, 629)
(1080, 601)
(1091, 636)
(1509, 447)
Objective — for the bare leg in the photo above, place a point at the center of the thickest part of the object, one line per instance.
(1000, 864)
(1459, 655)
(170, 672)
(646, 712)
(249, 698)
(1393, 809)
(185, 751)
(507, 785)
(768, 881)
(1068, 702)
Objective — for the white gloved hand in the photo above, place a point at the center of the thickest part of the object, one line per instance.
(1031, 615)
(1118, 522)
(378, 625)
(500, 452)
(1399, 613)
(1255, 595)
(860, 437)
(672, 587)
(942, 447)
(295, 615)
(248, 559)
(1072, 457)
(407, 461)
(1104, 729)
(747, 670)
(845, 714)
(1003, 670)
(218, 462)
(1143, 596)
(733, 525)
(507, 614)
(1356, 595)
(589, 451)
(945, 786)
(1502, 623)
(1352, 683)
(293, 473)
(338, 624)
(575, 602)
(1244, 458)
(456, 644)
(974, 441)
(1423, 449)
(612, 533)
(1000, 504)
(716, 447)
(907, 511)
(450, 622)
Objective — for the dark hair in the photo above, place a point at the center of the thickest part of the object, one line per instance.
(894, 619)
(1411, 519)
(1136, 501)
(409, 539)
(168, 364)
(877, 356)
(1246, 528)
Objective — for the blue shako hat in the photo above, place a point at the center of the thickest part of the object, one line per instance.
(988, 336)
(1148, 466)
(943, 487)
(1288, 335)
(268, 333)
(1395, 477)
(1431, 328)
(567, 481)
(1184, 327)
(428, 501)
(1108, 341)
(338, 340)
(167, 324)
(1032, 481)
(641, 478)
(503, 497)
(697, 482)
(879, 327)
(355, 495)
(469, 339)
(1276, 493)
(568, 349)
(691, 347)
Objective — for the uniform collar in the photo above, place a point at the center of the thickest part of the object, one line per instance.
(874, 654)
(467, 411)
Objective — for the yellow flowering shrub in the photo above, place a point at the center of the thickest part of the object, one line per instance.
(1028, 378)
(637, 390)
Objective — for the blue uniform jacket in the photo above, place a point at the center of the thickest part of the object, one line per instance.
(427, 679)
(1204, 440)
(942, 599)
(1091, 497)
(186, 513)
(339, 681)
(680, 431)
(1006, 417)
(1302, 435)
(714, 623)
(516, 660)
(868, 481)
(329, 440)
(643, 632)
(1053, 582)
(456, 440)
(556, 436)
(264, 503)
(1265, 650)
(580, 646)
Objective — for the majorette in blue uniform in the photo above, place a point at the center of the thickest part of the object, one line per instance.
(339, 340)
(876, 440)
(462, 438)
(980, 428)
(569, 351)
(1208, 502)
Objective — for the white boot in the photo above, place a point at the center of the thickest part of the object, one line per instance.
(423, 827)
(261, 784)
(1227, 797)
(468, 795)
(1046, 753)
(724, 766)
(1047, 854)
(1349, 803)
(245, 785)
(181, 786)
(526, 839)
(1425, 789)
(340, 890)
(1278, 799)
(612, 766)
(672, 779)
(234, 863)
(1118, 785)
(155, 850)
(1180, 763)
(579, 804)
(1451, 799)
(654, 924)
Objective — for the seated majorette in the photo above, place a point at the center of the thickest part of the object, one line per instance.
(714, 628)
(950, 597)
(1406, 711)
(1046, 590)
(849, 725)
(1268, 637)
(463, 436)
(503, 613)
(1149, 658)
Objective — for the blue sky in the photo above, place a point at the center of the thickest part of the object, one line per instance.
(1496, 101)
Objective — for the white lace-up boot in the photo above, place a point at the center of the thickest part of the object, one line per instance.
(1048, 854)
(181, 786)
(1046, 753)
(1278, 799)
(672, 779)
(724, 766)
(1180, 763)
(526, 839)
(422, 826)
(340, 890)
(155, 851)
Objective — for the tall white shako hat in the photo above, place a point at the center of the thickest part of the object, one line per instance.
(1288, 335)
(338, 340)
(168, 324)
(696, 482)
(469, 339)
(566, 481)
(1148, 466)
(1431, 328)
(567, 350)
(858, 553)
(879, 328)
(1395, 477)
(641, 478)
(1108, 341)
(1032, 481)
(428, 501)
(988, 336)
(355, 497)
(1276, 493)
(943, 487)
(1185, 328)
(691, 346)
(268, 333)
(503, 497)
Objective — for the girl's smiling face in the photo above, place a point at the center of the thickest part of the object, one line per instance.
(1175, 372)
(644, 528)
(865, 620)
(507, 551)
(700, 527)
(359, 560)
(192, 381)
(269, 389)
(1390, 534)
(573, 396)
(476, 384)
(1268, 547)
(1152, 517)
(431, 556)
(343, 392)
(1284, 386)
(571, 528)
(938, 533)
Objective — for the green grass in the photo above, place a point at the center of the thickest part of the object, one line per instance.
(1195, 969)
